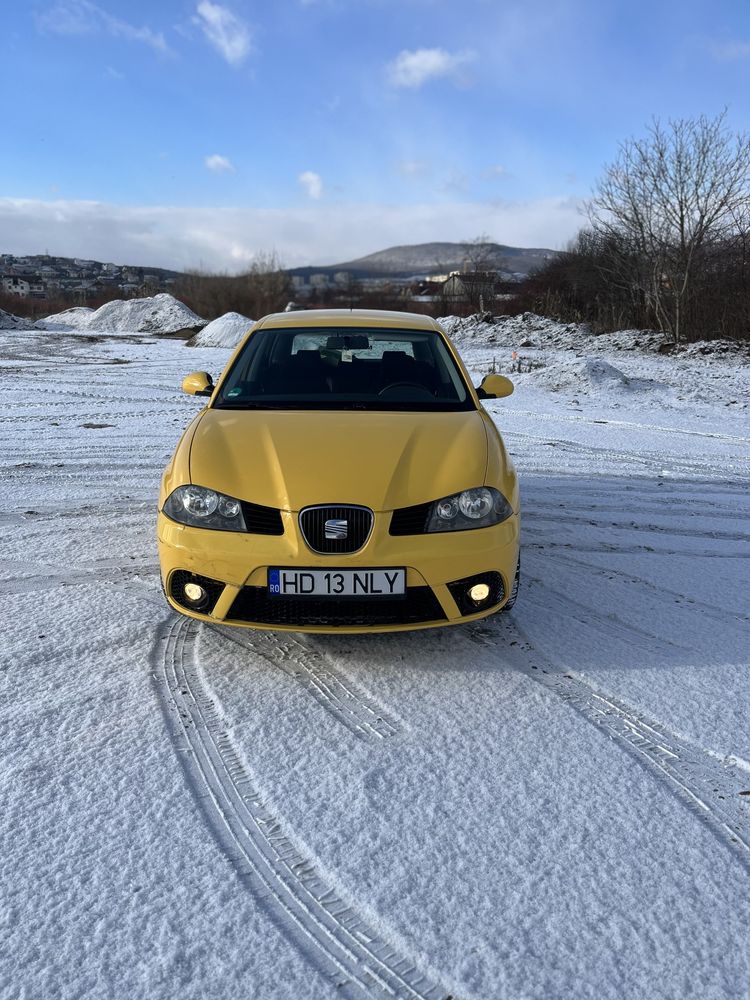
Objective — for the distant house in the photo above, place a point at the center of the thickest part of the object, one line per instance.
(13, 285)
(319, 280)
(477, 289)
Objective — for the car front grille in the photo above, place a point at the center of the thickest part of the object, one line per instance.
(312, 522)
(254, 604)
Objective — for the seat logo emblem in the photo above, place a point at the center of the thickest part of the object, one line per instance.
(336, 530)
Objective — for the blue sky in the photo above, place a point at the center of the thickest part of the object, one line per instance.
(199, 133)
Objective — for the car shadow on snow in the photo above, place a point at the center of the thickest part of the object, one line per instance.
(618, 572)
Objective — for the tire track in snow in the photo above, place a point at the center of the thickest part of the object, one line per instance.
(560, 518)
(610, 624)
(338, 696)
(354, 958)
(709, 786)
(721, 614)
(75, 577)
(644, 459)
(557, 418)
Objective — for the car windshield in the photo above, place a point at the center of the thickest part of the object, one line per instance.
(333, 368)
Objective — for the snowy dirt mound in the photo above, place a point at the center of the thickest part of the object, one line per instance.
(10, 322)
(77, 318)
(526, 330)
(161, 313)
(226, 331)
(530, 330)
(591, 376)
(734, 349)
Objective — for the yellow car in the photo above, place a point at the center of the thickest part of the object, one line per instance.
(343, 477)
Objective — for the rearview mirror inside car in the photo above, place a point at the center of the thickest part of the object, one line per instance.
(494, 387)
(198, 384)
(348, 342)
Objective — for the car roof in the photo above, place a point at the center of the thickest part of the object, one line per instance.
(348, 318)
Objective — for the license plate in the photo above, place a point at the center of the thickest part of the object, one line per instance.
(337, 582)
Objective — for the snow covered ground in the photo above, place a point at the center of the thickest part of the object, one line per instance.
(548, 805)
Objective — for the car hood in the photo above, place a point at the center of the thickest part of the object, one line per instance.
(382, 460)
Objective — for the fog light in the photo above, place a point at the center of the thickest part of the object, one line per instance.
(478, 593)
(194, 593)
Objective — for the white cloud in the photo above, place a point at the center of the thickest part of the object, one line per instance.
(225, 31)
(81, 17)
(219, 164)
(413, 168)
(413, 69)
(312, 183)
(226, 238)
(496, 172)
(728, 51)
(455, 182)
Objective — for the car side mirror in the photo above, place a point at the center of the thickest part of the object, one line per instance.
(198, 384)
(494, 387)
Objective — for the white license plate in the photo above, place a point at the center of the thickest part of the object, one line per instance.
(337, 582)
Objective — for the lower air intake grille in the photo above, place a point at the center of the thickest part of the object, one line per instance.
(253, 604)
(351, 524)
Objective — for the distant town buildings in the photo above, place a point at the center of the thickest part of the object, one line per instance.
(81, 281)
(41, 276)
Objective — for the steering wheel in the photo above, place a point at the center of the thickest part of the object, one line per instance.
(403, 385)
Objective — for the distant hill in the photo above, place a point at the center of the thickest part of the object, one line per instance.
(422, 259)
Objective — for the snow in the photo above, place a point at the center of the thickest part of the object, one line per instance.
(586, 375)
(76, 318)
(161, 314)
(530, 330)
(544, 805)
(226, 331)
(10, 322)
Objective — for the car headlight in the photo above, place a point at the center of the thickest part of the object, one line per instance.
(477, 508)
(203, 508)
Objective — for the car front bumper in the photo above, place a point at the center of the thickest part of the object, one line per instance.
(437, 565)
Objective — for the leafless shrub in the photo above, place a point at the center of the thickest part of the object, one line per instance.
(263, 288)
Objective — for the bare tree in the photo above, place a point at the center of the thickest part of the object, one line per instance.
(479, 253)
(670, 201)
(263, 288)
